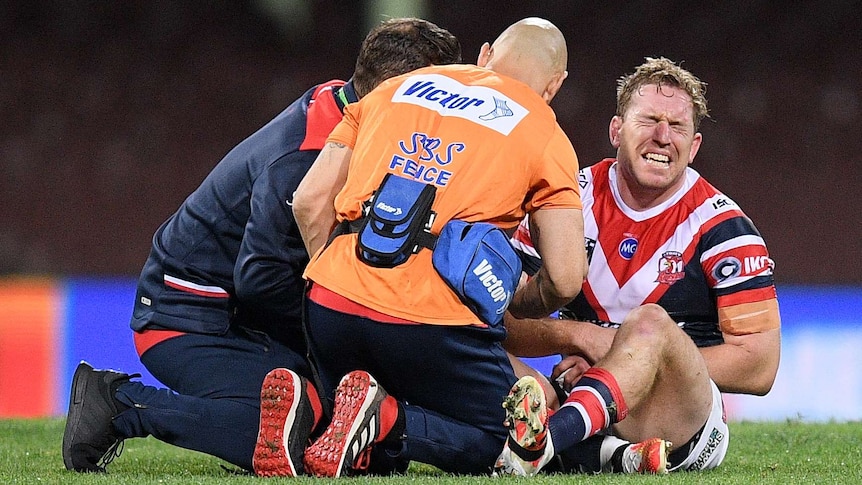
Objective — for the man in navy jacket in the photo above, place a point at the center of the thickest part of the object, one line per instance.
(218, 302)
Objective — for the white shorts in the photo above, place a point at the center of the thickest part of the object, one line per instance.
(710, 449)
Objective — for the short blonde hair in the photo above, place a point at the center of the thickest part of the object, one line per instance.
(662, 71)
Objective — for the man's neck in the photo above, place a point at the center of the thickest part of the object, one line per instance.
(640, 198)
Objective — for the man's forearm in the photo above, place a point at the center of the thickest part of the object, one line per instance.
(745, 364)
(549, 336)
(315, 223)
(539, 297)
(313, 201)
(532, 337)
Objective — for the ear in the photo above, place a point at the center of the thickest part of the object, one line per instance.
(485, 53)
(614, 131)
(554, 86)
(695, 147)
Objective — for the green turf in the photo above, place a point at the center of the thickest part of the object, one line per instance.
(771, 453)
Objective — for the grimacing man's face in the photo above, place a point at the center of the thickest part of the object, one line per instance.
(655, 141)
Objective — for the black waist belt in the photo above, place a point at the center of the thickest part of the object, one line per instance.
(423, 240)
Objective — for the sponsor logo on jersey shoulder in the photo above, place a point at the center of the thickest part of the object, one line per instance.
(590, 245)
(722, 202)
(671, 268)
(482, 105)
(582, 179)
(628, 247)
(756, 264)
(728, 267)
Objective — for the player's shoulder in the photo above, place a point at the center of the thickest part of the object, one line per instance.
(710, 200)
(591, 174)
(721, 218)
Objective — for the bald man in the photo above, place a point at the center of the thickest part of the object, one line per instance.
(532, 51)
(484, 141)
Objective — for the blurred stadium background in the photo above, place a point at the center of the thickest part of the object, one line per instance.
(112, 112)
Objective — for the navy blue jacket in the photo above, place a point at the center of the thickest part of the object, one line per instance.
(232, 253)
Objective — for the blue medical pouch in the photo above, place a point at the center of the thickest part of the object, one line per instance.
(397, 222)
(479, 263)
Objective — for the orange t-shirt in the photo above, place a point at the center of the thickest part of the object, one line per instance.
(490, 144)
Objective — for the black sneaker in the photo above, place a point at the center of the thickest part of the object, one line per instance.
(89, 441)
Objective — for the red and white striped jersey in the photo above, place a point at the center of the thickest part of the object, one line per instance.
(691, 255)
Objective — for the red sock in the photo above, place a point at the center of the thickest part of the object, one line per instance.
(600, 395)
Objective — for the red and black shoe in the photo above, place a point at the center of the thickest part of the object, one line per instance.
(289, 411)
(363, 415)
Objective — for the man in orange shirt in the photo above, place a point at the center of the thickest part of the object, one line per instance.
(486, 140)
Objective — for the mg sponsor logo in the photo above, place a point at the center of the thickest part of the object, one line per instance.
(628, 248)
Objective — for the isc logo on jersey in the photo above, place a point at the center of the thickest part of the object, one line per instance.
(481, 105)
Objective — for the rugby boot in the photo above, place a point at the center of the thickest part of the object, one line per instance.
(649, 457)
(528, 447)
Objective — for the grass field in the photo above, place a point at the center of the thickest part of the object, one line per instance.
(777, 453)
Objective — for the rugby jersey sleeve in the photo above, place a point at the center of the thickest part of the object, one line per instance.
(738, 268)
(523, 244)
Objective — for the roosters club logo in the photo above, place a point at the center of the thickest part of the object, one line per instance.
(671, 268)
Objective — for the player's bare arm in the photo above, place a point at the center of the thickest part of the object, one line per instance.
(314, 200)
(746, 362)
(560, 278)
(539, 337)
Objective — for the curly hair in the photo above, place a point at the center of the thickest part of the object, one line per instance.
(662, 71)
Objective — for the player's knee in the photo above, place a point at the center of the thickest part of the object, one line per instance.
(650, 321)
(650, 314)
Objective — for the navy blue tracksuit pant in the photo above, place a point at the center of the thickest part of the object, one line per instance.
(450, 380)
(213, 404)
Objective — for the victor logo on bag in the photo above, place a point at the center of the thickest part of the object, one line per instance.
(395, 211)
(477, 261)
(495, 285)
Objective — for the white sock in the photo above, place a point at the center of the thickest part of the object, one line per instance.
(610, 444)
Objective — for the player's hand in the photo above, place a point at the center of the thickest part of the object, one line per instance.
(569, 371)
